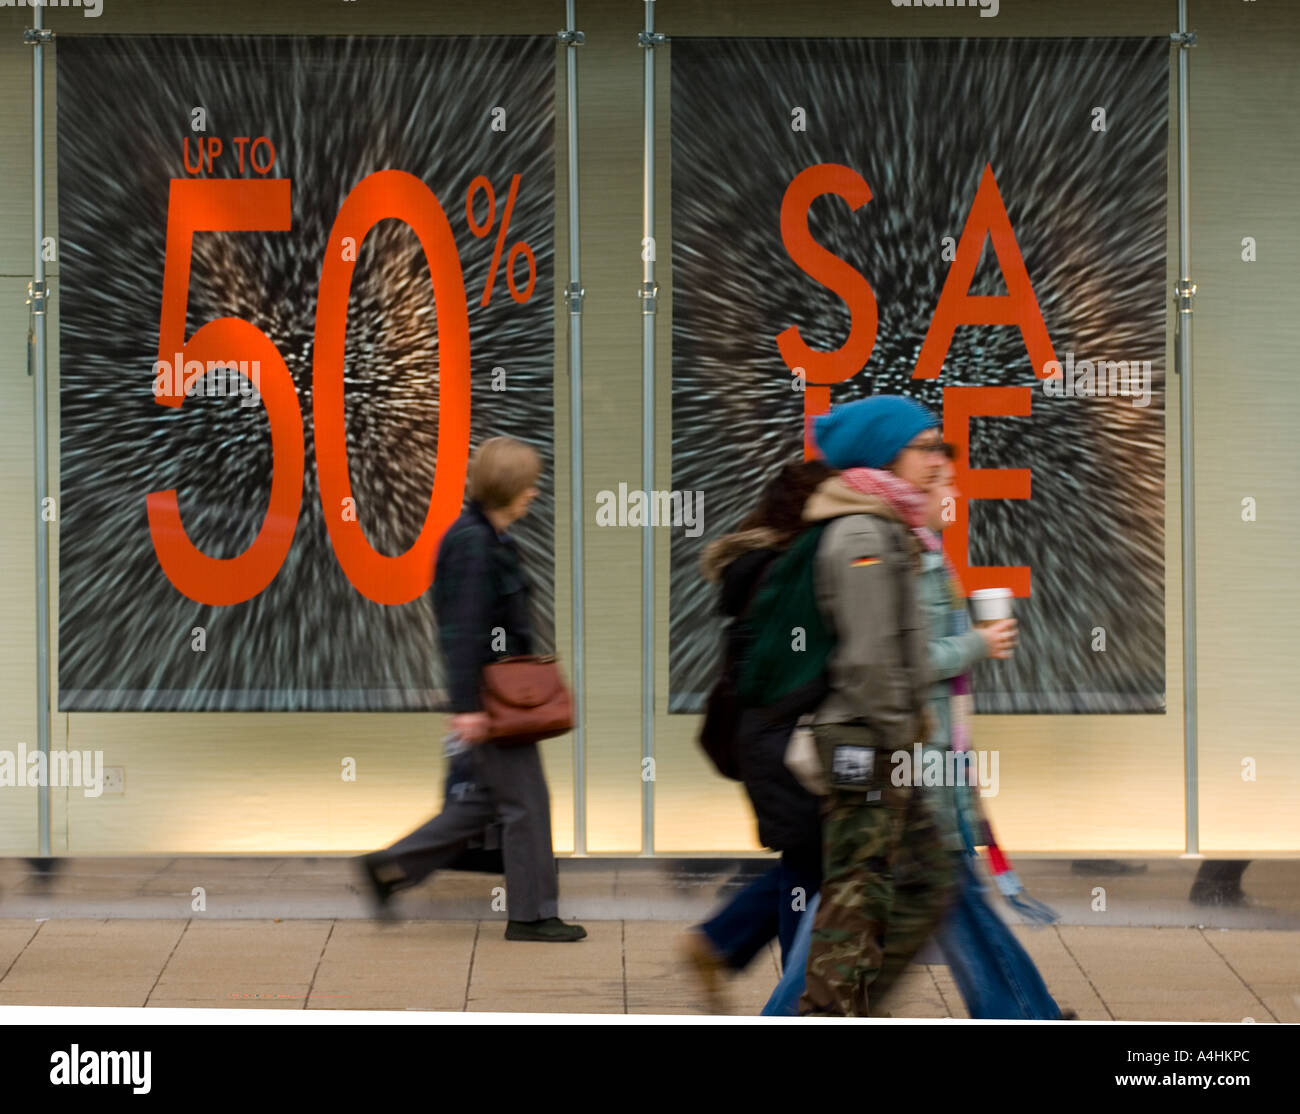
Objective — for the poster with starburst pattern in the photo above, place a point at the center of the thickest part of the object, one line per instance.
(300, 279)
(979, 224)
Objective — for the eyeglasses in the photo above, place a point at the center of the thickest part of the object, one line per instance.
(929, 447)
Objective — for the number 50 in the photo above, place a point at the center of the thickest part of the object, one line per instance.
(237, 205)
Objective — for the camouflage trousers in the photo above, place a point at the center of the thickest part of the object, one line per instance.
(888, 880)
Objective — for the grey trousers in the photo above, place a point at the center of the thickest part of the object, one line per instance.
(508, 785)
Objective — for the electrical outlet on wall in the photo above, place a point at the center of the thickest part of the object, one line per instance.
(114, 780)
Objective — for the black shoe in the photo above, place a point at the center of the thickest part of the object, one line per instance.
(550, 930)
(381, 882)
(1068, 1015)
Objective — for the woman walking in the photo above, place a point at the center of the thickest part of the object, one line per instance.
(480, 599)
(886, 879)
(787, 814)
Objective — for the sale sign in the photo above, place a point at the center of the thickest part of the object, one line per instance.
(979, 224)
(300, 279)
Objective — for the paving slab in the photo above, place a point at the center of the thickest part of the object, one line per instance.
(1157, 1004)
(227, 1004)
(74, 996)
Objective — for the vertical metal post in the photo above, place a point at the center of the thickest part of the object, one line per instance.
(37, 296)
(649, 295)
(573, 294)
(1185, 291)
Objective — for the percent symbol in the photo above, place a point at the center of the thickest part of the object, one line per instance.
(481, 230)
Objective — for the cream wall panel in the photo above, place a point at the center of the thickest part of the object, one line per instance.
(1245, 164)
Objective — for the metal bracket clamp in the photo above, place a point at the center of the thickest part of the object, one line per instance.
(651, 38)
(33, 37)
(571, 38)
(1183, 38)
(37, 295)
(648, 293)
(1184, 292)
(573, 295)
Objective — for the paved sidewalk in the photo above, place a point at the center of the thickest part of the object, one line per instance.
(628, 966)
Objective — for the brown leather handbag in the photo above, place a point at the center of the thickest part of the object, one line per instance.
(525, 699)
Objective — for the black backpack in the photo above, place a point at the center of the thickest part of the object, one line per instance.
(718, 735)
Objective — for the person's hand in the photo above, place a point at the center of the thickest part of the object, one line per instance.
(1000, 637)
(470, 726)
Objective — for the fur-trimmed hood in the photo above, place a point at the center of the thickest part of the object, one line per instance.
(721, 552)
(834, 499)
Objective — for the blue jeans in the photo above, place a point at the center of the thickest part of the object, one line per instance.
(766, 908)
(995, 975)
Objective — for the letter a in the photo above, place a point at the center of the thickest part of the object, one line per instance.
(957, 306)
(606, 504)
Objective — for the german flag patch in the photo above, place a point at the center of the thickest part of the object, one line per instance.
(863, 562)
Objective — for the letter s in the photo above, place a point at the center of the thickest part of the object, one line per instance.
(818, 262)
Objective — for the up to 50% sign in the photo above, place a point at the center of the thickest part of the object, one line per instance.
(244, 205)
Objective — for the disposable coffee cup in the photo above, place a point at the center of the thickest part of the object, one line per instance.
(988, 605)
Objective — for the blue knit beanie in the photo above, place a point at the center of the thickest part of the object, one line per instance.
(870, 432)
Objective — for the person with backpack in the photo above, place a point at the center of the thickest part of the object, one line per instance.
(994, 974)
(748, 744)
(887, 879)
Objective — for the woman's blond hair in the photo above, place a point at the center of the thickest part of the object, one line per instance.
(500, 470)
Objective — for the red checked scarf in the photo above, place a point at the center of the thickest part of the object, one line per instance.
(908, 502)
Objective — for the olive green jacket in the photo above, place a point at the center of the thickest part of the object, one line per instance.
(866, 590)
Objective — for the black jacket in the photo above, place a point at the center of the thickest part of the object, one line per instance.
(789, 817)
(480, 603)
